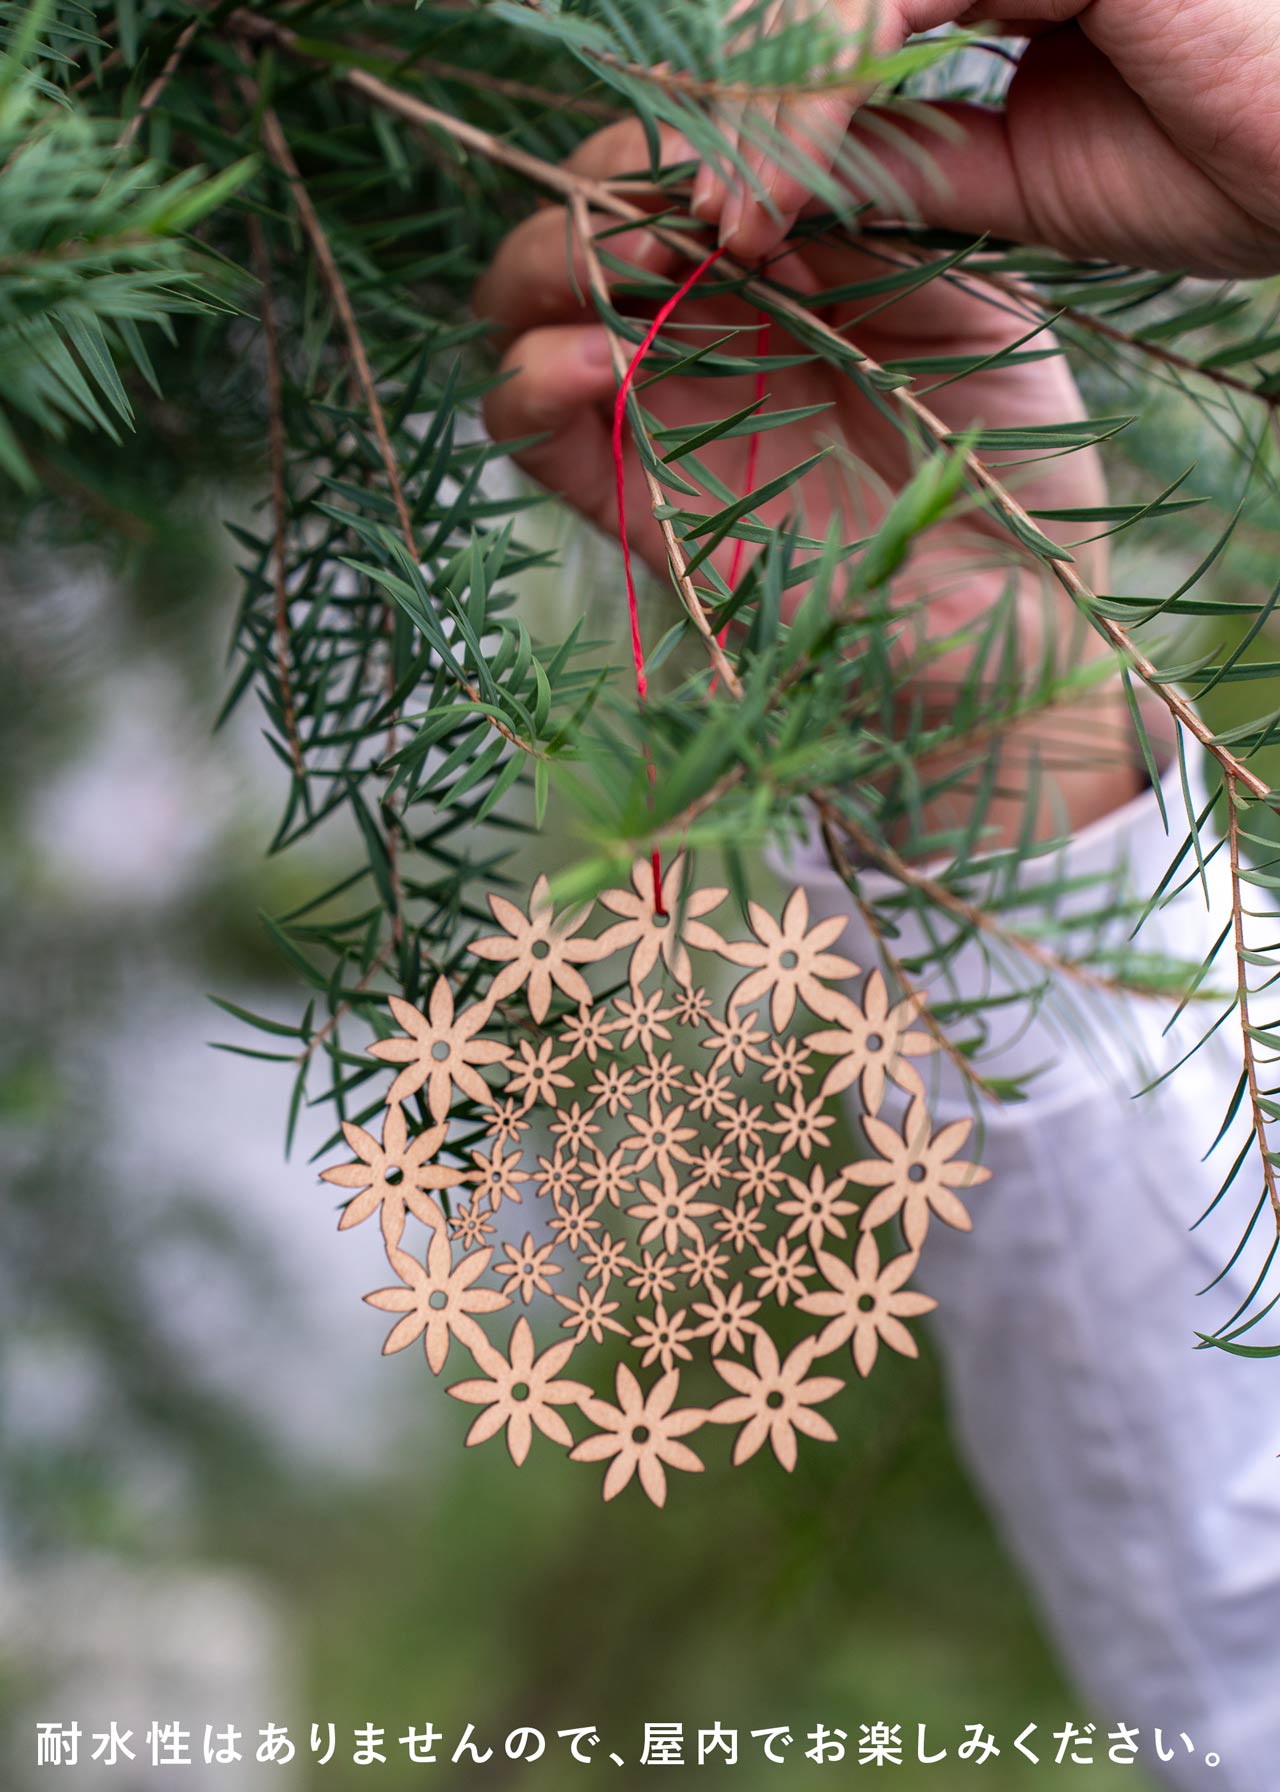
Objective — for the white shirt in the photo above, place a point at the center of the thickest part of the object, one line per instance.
(1133, 1477)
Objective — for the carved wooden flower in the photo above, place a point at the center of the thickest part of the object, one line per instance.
(442, 1050)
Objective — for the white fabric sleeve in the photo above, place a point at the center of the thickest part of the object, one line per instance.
(1133, 1477)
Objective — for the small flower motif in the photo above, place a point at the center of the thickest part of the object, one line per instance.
(498, 1174)
(651, 934)
(642, 1020)
(742, 1125)
(471, 1225)
(640, 1435)
(664, 1338)
(537, 951)
(866, 1304)
(611, 1088)
(590, 1315)
(604, 1258)
(521, 1390)
(710, 1166)
(573, 1130)
(789, 960)
(528, 1270)
(735, 1040)
(540, 1073)
(691, 1006)
(815, 1207)
(606, 1178)
(787, 1062)
(653, 1276)
(726, 1318)
(740, 1226)
(704, 1264)
(586, 1034)
(441, 1050)
(671, 1213)
(438, 1301)
(659, 1079)
(802, 1125)
(556, 1177)
(917, 1174)
(658, 1138)
(760, 1177)
(782, 1271)
(774, 1400)
(393, 1175)
(573, 1225)
(872, 1042)
(709, 1093)
(508, 1122)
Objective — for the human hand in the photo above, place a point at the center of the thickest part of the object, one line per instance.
(560, 383)
(1142, 131)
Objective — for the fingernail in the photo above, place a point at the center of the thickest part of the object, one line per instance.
(732, 216)
(703, 204)
(595, 347)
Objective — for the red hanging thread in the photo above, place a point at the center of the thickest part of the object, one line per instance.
(633, 612)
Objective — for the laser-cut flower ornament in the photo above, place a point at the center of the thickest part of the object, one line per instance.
(645, 1167)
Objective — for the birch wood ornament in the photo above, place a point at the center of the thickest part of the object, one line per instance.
(604, 1150)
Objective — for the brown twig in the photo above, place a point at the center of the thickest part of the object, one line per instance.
(279, 496)
(1259, 1121)
(155, 92)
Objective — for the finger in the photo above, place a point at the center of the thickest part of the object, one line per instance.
(557, 385)
(540, 276)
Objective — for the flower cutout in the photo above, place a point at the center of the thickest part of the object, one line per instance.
(604, 1257)
(537, 951)
(865, 1303)
(539, 1073)
(917, 1174)
(471, 1224)
(612, 1088)
(528, 1271)
(815, 1207)
(726, 1318)
(520, 1391)
(774, 1400)
(640, 1435)
(781, 1272)
(393, 1174)
(652, 934)
(653, 1276)
(642, 1020)
(438, 1300)
(498, 1174)
(735, 1040)
(789, 960)
(586, 1034)
(658, 1137)
(802, 1125)
(671, 1212)
(590, 1315)
(607, 1178)
(664, 1338)
(441, 1050)
(573, 1226)
(704, 1264)
(873, 1042)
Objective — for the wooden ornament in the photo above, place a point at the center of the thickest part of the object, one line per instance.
(651, 1164)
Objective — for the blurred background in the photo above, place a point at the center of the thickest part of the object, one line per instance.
(219, 1504)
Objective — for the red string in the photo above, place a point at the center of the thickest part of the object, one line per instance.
(633, 611)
